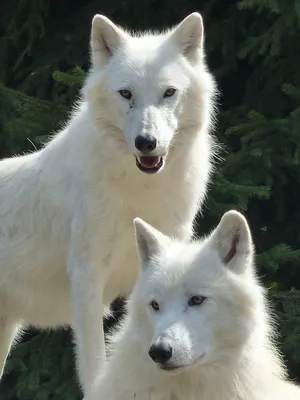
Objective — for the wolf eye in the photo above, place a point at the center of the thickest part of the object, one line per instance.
(196, 300)
(154, 304)
(125, 93)
(169, 92)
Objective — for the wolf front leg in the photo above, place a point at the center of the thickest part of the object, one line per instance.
(87, 303)
(8, 332)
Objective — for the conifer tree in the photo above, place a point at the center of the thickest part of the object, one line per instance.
(253, 50)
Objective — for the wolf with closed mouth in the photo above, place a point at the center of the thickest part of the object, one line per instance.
(198, 324)
(138, 144)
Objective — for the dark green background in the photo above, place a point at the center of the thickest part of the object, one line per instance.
(253, 50)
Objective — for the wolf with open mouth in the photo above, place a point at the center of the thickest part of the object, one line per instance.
(137, 145)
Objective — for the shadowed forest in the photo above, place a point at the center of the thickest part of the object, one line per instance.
(253, 50)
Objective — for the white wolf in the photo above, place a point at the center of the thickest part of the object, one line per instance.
(138, 144)
(198, 325)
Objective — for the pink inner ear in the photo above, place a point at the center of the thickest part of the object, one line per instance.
(232, 252)
(106, 46)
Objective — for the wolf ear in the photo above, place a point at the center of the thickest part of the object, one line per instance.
(149, 240)
(106, 38)
(189, 36)
(233, 241)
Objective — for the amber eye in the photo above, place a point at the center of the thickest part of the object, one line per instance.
(125, 93)
(196, 300)
(154, 304)
(169, 92)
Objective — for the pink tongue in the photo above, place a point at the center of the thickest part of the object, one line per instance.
(149, 162)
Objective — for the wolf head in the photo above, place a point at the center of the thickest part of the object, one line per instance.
(145, 89)
(196, 303)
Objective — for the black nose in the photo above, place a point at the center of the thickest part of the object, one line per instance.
(160, 353)
(145, 144)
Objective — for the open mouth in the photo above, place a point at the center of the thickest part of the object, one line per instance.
(149, 164)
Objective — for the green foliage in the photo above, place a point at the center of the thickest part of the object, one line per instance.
(288, 312)
(253, 49)
(42, 352)
(74, 78)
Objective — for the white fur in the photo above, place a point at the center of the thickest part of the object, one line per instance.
(222, 348)
(66, 237)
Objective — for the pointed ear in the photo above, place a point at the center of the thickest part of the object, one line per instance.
(233, 240)
(106, 38)
(150, 241)
(189, 36)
